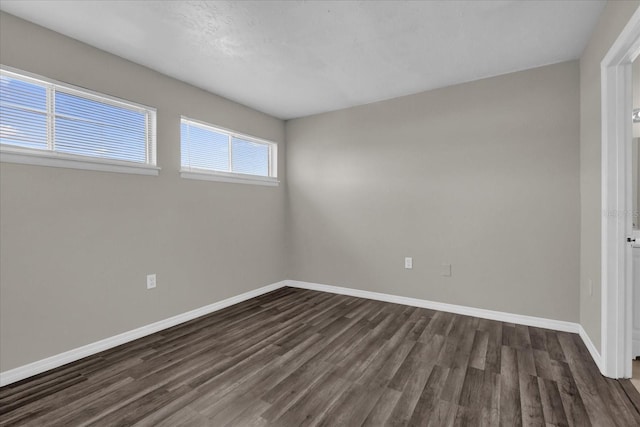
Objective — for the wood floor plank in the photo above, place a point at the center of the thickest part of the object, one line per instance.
(137, 409)
(353, 406)
(385, 366)
(382, 409)
(479, 350)
(411, 393)
(627, 411)
(224, 407)
(510, 407)
(538, 339)
(457, 374)
(526, 361)
(429, 397)
(251, 416)
(632, 393)
(420, 355)
(491, 406)
(509, 336)
(299, 357)
(467, 416)
(287, 392)
(439, 325)
(552, 403)
(543, 366)
(494, 344)
(531, 405)
(315, 402)
(444, 414)
(553, 346)
(571, 400)
(185, 417)
(56, 405)
(471, 395)
(597, 399)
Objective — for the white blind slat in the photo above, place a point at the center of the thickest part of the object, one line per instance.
(47, 116)
(204, 148)
(208, 148)
(250, 157)
(23, 128)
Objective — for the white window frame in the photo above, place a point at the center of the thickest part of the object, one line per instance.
(39, 157)
(233, 177)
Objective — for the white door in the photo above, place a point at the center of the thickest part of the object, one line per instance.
(617, 251)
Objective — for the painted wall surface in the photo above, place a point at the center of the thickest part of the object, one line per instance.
(483, 176)
(613, 19)
(75, 246)
(499, 177)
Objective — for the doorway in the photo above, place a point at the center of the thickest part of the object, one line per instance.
(635, 232)
(618, 232)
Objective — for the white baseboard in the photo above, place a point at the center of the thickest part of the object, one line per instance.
(25, 371)
(52, 362)
(595, 354)
(539, 322)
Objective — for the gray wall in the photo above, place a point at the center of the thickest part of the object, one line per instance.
(482, 175)
(615, 16)
(75, 246)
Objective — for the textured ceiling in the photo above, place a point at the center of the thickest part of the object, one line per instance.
(292, 59)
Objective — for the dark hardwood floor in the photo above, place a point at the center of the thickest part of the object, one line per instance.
(296, 357)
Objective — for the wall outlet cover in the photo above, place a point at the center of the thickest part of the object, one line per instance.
(445, 270)
(151, 281)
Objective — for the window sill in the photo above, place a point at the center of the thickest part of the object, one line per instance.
(230, 177)
(58, 160)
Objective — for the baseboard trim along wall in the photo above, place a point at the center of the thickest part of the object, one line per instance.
(595, 354)
(539, 322)
(31, 369)
(557, 325)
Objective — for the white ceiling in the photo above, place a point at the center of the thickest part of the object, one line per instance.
(292, 59)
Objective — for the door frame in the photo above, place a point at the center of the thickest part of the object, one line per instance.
(617, 101)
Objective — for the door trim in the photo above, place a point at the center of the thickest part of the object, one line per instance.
(616, 86)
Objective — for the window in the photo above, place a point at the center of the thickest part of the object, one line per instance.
(213, 153)
(54, 124)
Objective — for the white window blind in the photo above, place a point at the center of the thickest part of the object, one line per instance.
(209, 149)
(37, 114)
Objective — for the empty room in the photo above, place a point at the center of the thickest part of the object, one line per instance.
(339, 213)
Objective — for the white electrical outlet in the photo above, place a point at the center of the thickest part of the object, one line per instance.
(445, 270)
(408, 263)
(151, 281)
